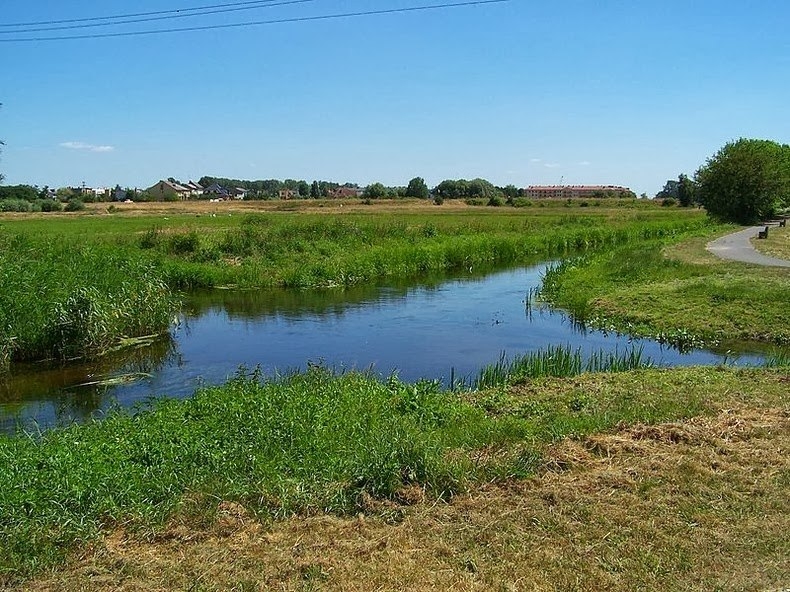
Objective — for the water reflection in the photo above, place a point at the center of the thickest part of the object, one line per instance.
(54, 394)
(439, 328)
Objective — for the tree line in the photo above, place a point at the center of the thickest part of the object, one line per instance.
(747, 181)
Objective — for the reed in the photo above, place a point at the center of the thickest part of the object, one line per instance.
(66, 300)
(558, 361)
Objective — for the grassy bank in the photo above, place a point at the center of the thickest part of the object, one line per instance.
(318, 443)
(680, 294)
(78, 285)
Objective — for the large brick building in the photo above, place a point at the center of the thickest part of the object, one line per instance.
(576, 191)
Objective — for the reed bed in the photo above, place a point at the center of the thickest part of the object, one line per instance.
(558, 361)
(68, 300)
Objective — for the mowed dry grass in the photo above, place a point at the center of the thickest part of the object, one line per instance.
(699, 504)
(776, 245)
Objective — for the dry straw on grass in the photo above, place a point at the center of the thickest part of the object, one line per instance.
(694, 505)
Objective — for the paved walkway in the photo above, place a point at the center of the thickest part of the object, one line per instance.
(738, 247)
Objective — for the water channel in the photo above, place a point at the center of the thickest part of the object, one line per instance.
(431, 329)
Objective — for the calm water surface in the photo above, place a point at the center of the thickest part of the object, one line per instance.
(428, 330)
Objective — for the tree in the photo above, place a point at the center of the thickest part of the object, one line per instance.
(375, 191)
(417, 188)
(670, 190)
(303, 188)
(686, 190)
(745, 181)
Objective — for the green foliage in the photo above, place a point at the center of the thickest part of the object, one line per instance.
(746, 181)
(86, 299)
(417, 188)
(376, 191)
(74, 205)
(18, 192)
(463, 189)
(686, 191)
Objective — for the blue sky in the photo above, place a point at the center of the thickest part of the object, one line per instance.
(523, 92)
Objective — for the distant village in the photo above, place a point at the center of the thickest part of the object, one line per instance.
(220, 189)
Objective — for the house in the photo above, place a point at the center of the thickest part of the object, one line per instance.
(238, 193)
(168, 190)
(287, 193)
(216, 190)
(345, 191)
(576, 191)
(195, 189)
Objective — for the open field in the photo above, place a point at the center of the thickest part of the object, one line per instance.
(650, 479)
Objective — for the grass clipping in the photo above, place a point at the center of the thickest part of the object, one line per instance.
(694, 504)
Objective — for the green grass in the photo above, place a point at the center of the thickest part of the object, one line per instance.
(307, 443)
(685, 301)
(66, 300)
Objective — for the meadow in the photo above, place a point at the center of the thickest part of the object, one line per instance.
(643, 477)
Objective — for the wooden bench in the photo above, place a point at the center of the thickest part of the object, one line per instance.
(763, 233)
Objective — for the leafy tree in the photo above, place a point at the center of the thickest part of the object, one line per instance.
(376, 191)
(511, 192)
(65, 193)
(686, 190)
(303, 188)
(315, 190)
(670, 190)
(19, 192)
(417, 188)
(746, 181)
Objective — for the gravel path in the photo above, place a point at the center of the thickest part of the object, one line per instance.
(738, 247)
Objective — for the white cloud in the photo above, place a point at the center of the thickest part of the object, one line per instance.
(86, 147)
(551, 165)
(585, 163)
(535, 159)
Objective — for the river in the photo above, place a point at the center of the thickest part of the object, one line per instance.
(432, 329)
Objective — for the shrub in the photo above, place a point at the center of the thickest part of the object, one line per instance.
(75, 205)
(496, 201)
(668, 202)
(438, 200)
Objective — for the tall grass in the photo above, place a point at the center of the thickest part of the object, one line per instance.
(307, 252)
(67, 300)
(559, 361)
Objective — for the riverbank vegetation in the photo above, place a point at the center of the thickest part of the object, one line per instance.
(679, 294)
(101, 278)
(404, 456)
